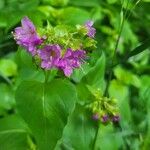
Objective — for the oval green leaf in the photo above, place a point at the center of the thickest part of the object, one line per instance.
(45, 108)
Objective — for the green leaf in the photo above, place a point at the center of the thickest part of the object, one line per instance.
(140, 48)
(23, 58)
(74, 16)
(13, 16)
(2, 4)
(111, 1)
(145, 90)
(80, 72)
(13, 140)
(95, 76)
(27, 69)
(13, 134)
(45, 108)
(146, 1)
(127, 77)
(7, 100)
(121, 93)
(87, 3)
(56, 3)
(80, 131)
(144, 94)
(108, 138)
(96, 13)
(8, 67)
(13, 122)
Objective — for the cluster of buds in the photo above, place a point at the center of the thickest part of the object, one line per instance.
(104, 109)
(60, 47)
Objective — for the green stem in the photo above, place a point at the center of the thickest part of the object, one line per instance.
(115, 51)
(137, 2)
(95, 138)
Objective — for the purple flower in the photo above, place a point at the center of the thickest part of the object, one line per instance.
(26, 36)
(91, 30)
(95, 116)
(50, 56)
(72, 59)
(105, 118)
(116, 118)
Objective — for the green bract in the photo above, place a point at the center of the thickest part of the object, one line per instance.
(68, 36)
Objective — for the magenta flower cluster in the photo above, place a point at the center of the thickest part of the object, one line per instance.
(51, 57)
(50, 54)
(106, 118)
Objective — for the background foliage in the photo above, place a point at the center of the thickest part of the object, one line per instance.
(130, 82)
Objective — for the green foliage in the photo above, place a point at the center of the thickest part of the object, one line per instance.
(121, 92)
(95, 76)
(56, 2)
(47, 111)
(126, 77)
(7, 100)
(13, 134)
(7, 68)
(107, 138)
(55, 115)
(79, 131)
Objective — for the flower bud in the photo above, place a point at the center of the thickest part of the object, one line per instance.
(95, 116)
(105, 118)
(116, 118)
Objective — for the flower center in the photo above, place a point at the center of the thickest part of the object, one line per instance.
(53, 53)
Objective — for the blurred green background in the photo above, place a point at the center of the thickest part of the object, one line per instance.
(130, 82)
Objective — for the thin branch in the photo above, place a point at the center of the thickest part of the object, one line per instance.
(116, 47)
(95, 138)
